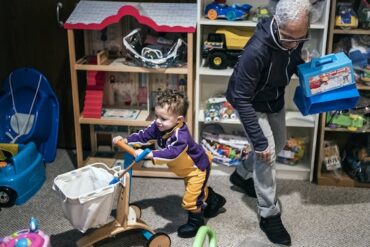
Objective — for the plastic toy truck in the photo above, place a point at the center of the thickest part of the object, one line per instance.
(219, 9)
(222, 48)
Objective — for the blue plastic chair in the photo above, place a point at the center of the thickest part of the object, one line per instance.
(43, 121)
(29, 116)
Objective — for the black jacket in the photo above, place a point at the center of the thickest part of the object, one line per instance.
(259, 79)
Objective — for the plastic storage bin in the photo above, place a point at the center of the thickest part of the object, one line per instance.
(87, 197)
(325, 74)
(339, 99)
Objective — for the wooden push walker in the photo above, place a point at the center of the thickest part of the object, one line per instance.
(128, 216)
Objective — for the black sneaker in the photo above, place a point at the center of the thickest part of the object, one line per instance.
(214, 203)
(246, 185)
(275, 230)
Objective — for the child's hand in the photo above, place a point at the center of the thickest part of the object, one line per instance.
(118, 138)
(139, 151)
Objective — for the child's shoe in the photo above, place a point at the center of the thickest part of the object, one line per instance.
(190, 229)
(214, 203)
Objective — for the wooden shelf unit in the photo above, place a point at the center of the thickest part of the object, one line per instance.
(79, 64)
(339, 178)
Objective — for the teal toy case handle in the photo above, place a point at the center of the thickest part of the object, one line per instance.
(320, 61)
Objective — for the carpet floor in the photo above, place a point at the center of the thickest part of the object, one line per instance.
(313, 215)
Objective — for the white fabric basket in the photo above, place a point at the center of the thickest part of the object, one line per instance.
(87, 197)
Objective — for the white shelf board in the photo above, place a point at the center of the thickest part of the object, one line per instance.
(296, 119)
(296, 172)
(246, 23)
(215, 72)
(224, 72)
(221, 22)
(318, 25)
(293, 119)
(299, 171)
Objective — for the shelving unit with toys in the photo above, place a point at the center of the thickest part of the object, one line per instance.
(336, 134)
(211, 82)
(119, 92)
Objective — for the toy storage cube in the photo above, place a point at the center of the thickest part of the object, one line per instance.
(338, 99)
(325, 74)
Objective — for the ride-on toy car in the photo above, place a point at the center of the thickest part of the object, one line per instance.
(29, 123)
(27, 174)
(216, 10)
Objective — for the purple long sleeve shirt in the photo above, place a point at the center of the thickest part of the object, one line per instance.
(177, 148)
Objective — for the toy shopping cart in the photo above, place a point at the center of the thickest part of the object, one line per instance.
(88, 195)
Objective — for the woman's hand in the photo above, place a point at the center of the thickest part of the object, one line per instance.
(264, 155)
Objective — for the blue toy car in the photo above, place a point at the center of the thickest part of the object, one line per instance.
(28, 135)
(22, 177)
(216, 10)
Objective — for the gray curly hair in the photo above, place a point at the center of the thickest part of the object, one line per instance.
(291, 10)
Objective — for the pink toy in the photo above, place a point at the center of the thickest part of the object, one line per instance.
(31, 237)
(25, 238)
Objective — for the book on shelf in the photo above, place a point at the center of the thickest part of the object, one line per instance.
(126, 114)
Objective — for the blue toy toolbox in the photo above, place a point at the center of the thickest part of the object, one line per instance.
(325, 74)
(29, 120)
(338, 99)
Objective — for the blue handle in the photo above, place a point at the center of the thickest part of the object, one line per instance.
(316, 62)
(142, 155)
(114, 181)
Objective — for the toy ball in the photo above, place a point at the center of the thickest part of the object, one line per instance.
(23, 242)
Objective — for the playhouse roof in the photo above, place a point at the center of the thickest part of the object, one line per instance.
(162, 17)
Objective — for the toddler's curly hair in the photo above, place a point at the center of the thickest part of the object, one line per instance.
(177, 101)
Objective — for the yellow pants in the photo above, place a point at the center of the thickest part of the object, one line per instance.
(196, 190)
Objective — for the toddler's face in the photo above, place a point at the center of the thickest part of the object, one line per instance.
(165, 119)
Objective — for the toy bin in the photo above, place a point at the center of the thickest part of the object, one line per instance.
(325, 74)
(339, 99)
(87, 197)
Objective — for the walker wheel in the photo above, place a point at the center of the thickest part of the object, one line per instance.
(136, 209)
(159, 239)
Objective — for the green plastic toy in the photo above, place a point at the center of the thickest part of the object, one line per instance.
(202, 233)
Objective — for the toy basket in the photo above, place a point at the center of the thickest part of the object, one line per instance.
(87, 198)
